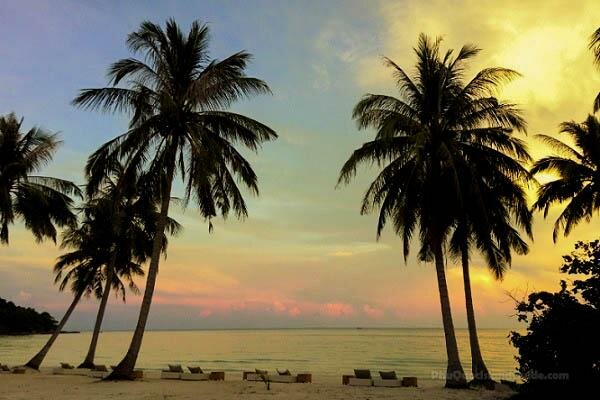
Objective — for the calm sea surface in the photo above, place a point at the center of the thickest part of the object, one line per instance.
(324, 352)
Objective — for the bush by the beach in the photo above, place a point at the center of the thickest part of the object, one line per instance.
(560, 353)
(17, 320)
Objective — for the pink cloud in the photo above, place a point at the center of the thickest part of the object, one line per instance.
(372, 312)
(337, 309)
(294, 311)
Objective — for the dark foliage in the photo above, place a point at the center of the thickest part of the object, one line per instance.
(578, 175)
(17, 320)
(560, 353)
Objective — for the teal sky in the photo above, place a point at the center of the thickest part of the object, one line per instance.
(304, 257)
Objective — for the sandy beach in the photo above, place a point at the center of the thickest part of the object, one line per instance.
(44, 385)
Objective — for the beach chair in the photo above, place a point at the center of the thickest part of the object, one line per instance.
(4, 368)
(68, 369)
(99, 371)
(283, 376)
(258, 375)
(174, 372)
(387, 379)
(195, 374)
(361, 377)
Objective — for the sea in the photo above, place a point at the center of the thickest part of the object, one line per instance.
(323, 352)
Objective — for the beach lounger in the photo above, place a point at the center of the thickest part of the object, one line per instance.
(362, 377)
(68, 369)
(387, 379)
(174, 372)
(99, 371)
(282, 376)
(195, 374)
(258, 375)
(4, 368)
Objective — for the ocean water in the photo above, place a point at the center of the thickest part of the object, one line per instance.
(324, 352)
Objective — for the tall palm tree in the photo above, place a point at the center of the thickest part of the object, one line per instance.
(429, 143)
(122, 223)
(495, 237)
(578, 170)
(109, 247)
(595, 47)
(177, 97)
(41, 202)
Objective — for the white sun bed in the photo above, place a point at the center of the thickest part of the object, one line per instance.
(67, 369)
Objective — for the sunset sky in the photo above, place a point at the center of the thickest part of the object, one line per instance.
(305, 256)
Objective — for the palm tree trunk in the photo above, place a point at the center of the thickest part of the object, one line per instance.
(124, 370)
(37, 360)
(480, 371)
(455, 375)
(88, 362)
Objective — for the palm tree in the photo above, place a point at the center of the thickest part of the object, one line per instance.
(109, 247)
(595, 47)
(429, 143)
(41, 202)
(494, 236)
(177, 97)
(578, 170)
(83, 279)
(122, 222)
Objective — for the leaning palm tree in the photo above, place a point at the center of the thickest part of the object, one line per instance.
(578, 170)
(84, 279)
(595, 47)
(177, 97)
(41, 202)
(429, 143)
(122, 223)
(109, 247)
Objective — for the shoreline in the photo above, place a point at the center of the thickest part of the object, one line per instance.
(43, 385)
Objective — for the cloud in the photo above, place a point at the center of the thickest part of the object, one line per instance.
(337, 309)
(372, 312)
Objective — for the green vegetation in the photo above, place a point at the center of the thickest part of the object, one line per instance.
(559, 356)
(41, 202)
(17, 320)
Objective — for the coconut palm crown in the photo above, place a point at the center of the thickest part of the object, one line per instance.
(41, 202)
(177, 98)
(446, 148)
(577, 168)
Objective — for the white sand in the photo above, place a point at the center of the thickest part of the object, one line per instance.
(44, 386)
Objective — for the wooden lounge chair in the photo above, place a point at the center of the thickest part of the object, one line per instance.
(174, 372)
(387, 379)
(195, 374)
(361, 377)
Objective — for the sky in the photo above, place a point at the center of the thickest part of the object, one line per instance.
(304, 257)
